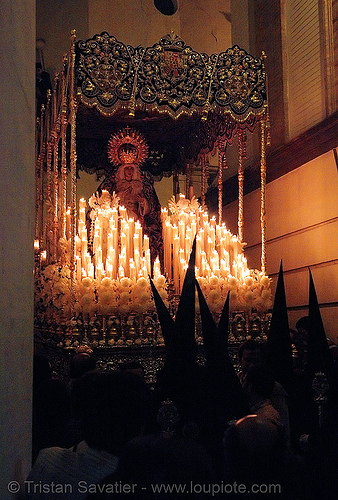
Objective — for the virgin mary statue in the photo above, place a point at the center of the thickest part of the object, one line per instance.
(127, 150)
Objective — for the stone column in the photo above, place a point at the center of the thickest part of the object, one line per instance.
(17, 125)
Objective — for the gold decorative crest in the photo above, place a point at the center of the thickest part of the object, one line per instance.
(127, 146)
(169, 76)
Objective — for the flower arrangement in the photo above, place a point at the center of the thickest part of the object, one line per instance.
(251, 293)
(104, 296)
(53, 290)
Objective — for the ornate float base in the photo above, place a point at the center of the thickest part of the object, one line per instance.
(130, 339)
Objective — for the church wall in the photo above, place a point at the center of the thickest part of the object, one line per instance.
(55, 21)
(134, 23)
(201, 24)
(17, 119)
(204, 25)
(302, 224)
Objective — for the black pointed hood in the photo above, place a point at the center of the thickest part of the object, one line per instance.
(224, 383)
(279, 349)
(179, 334)
(318, 348)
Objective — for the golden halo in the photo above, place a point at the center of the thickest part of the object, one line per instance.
(127, 146)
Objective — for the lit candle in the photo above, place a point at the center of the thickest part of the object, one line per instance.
(110, 240)
(83, 242)
(176, 263)
(121, 272)
(112, 254)
(202, 242)
(205, 218)
(82, 203)
(137, 259)
(193, 228)
(80, 226)
(82, 215)
(187, 247)
(212, 237)
(109, 267)
(127, 244)
(91, 271)
(234, 246)
(136, 242)
(226, 258)
(131, 224)
(98, 257)
(123, 241)
(115, 216)
(218, 234)
(215, 257)
(182, 261)
(132, 269)
(167, 247)
(115, 237)
(68, 224)
(96, 241)
(209, 247)
(88, 261)
(148, 264)
(145, 244)
(198, 251)
(99, 271)
(123, 212)
(123, 260)
(181, 230)
(78, 268)
(43, 256)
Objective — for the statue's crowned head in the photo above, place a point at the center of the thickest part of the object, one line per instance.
(127, 146)
(127, 153)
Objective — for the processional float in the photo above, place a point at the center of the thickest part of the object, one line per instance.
(162, 109)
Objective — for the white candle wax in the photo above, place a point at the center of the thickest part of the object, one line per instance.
(78, 269)
(123, 242)
(176, 263)
(193, 228)
(82, 204)
(68, 224)
(98, 257)
(91, 271)
(148, 264)
(121, 272)
(88, 262)
(82, 215)
(181, 230)
(115, 216)
(132, 269)
(156, 268)
(137, 260)
(80, 226)
(145, 244)
(136, 242)
(109, 267)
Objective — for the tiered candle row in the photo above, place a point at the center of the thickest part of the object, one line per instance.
(218, 252)
(119, 247)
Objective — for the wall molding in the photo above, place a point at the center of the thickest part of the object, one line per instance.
(315, 142)
(295, 232)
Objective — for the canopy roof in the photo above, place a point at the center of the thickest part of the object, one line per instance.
(184, 102)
